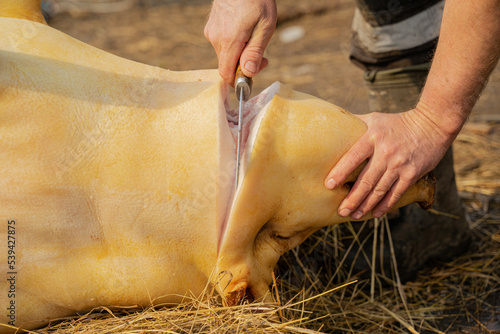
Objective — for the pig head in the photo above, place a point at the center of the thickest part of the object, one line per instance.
(117, 178)
(292, 144)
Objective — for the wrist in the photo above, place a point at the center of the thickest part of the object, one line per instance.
(446, 119)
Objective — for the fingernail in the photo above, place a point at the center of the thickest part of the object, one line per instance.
(251, 66)
(357, 215)
(330, 184)
(378, 214)
(345, 212)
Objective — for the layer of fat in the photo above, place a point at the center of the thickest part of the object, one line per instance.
(257, 111)
(254, 111)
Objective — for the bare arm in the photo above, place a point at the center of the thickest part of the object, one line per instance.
(241, 30)
(403, 147)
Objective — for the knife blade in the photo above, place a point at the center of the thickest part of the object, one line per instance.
(243, 89)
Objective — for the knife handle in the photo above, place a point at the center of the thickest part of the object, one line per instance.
(242, 82)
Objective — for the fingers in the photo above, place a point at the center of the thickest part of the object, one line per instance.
(378, 187)
(241, 30)
(223, 32)
(371, 186)
(399, 150)
(374, 196)
(228, 48)
(393, 196)
(252, 63)
(228, 59)
(380, 197)
(252, 57)
(361, 151)
(395, 161)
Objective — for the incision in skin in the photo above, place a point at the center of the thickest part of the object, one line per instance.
(253, 112)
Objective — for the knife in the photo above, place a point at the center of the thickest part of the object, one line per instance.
(243, 89)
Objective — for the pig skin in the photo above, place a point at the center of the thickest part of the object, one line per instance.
(120, 178)
(282, 200)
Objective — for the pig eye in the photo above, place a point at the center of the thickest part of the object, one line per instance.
(276, 236)
(282, 244)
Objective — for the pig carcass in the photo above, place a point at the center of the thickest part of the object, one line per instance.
(117, 179)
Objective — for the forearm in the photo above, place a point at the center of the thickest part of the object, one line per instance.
(467, 51)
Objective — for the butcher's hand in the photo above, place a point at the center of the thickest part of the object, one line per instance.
(400, 148)
(241, 30)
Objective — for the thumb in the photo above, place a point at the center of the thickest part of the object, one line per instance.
(252, 58)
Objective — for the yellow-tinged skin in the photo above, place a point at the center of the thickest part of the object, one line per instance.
(108, 168)
(281, 200)
(119, 176)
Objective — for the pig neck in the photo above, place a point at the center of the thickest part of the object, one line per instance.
(22, 9)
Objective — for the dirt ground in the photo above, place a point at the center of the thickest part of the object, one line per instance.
(169, 34)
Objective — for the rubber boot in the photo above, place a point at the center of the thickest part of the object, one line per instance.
(418, 235)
